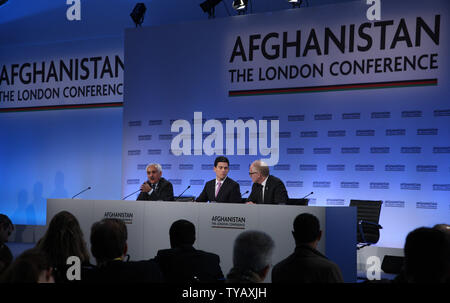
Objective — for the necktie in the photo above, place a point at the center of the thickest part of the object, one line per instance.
(218, 188)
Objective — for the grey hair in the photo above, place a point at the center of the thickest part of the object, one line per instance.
(253, 250)
(158, 167)
(261, 167)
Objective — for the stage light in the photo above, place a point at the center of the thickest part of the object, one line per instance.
(138, 13)
(240, 6)
(295, 3)
(208, 7)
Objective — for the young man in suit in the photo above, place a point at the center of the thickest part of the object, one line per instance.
(156, 188)
(266, 189)
(222, 188)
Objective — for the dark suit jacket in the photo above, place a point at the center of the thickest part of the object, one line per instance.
(274, 193)
(306, 265)
(187, 264)
(163, 192)
(124, 272)
(229, 192)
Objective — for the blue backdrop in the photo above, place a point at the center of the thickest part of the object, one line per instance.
(351, 141)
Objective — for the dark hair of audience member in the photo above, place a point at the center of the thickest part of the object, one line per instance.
(182, 232)
(63, 239)
(32, 266)
(108, 240)
(427, 254)
(6, 222)
(306, 228)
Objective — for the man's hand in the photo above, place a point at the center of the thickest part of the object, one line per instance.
(145, 187)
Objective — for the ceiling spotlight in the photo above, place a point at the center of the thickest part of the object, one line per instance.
(240, 6)
(295, 3)
(208, 7)
(138, 14)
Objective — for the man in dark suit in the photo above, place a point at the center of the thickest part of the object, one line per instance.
(185, 264)
(223, 188)
(306, 264)
(156, 188)
(109, 247)
(266, 189)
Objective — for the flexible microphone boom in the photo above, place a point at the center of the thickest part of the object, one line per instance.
(182, 192)
(308, 195)
(244, 193)
(82, 191)
(131, 194)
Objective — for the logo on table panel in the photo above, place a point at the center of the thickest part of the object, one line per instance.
(230, 222)
(126, 217)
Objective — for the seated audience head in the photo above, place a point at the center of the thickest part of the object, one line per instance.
(253, 251)
(32, 266)
(109, 240)
(182, 233)
(427, 256)
(307, 230)
(6, 228)
(63, 239)
(259, 171)
(443, 227)
(154, 172)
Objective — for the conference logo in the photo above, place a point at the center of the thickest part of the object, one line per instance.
(126, 217)
(231, 222)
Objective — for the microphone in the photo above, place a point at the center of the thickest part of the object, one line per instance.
(82, 192)
(244, 193)
(131, 194)
(182, 192)
(308, 195)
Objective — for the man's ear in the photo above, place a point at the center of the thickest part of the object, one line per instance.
(320, 236)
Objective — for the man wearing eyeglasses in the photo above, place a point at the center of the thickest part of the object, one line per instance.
(266, 189)
(6, 228)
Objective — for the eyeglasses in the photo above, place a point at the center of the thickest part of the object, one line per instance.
(251, 173)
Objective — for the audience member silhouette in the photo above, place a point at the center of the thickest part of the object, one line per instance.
(32, 266)
(6, 228)
(62, 240)
(109, 247)
(252, 257)
(306, 264)
(427, 257)
(182, 262)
